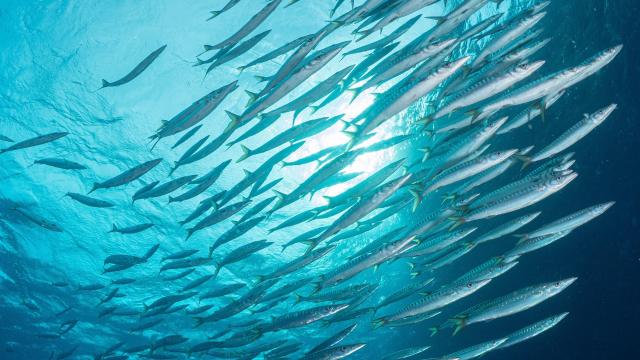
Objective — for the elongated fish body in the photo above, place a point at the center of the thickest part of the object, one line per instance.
(489, 87)
(222, 291)
(344, 293)
(202, 207)
(185, 263)
(361, 70)
(405, 60)
(437, 299)
(467, 169)
(574, 133)
(508, 36)
(142, 66)
(306, 69)
(204, 182)
(237, 230)
(134, 229)
(286, 290)
(532, 330)
(406, 353)
(379, 44)
(529, 114)
(304, 237)
(364, 207)
(534, 243)
(227, 7)
(316, 93)
(507, 228)
(89, 201)
(405, 292)
(293, 61)
(251, 25)
(197, 282)
(400, 11)
(593, 65)
(247, 300)
(359, 230)
(277, 52)
(188, 135)
(571, 221)
(265, 121)
(296, 133)
(489, 269)
(391, 104)
(260, 173)
(256, 209)
(366, 185)
(525, 196)
(334, 339)
(127, 176)
(295, 220)
(61, 163)
(298, 263)
(453, 19)
(38, 140)
(196, 112)
(334, 352)
(243, 252)
(438, 242)
(304, 317)
(363, 262)
(475, 351)
(512, 303)
(236, 51)
(458, 251)
(180, 254)
(218, 216)
(168, 187)
(317, 178)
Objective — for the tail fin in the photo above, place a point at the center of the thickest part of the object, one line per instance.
(417, 198)
(526, 161)
(260, 278)
(298, 298)
(434, 330)
(439, 19)
(95, 187)
(460, 321)
(214, 13)
(241, 68)
(378, 323)
(105, 84)
(521, 238)
(114, 228)
(252, 97)
(235, 119)
(199, 321)
(457, 221)
(246, 152)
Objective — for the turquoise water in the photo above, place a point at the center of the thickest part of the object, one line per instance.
(57, 52)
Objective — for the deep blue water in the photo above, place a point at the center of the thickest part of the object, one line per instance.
(54, 54)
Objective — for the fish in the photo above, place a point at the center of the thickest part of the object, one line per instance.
(406, 353)
(401, 30)
(410, 289)
(264, 121)
(237, 230)
(438, 242)
(252, 297)
(534, 243)
(291, 45)
(60, 163)
(225, 8)
(89, 201)
(203, 206)
(532, 330)
(179, 275)
(434, 301)
(256, 209)
(401, 10)
(335, 352)
(286, 289)
(529, 114)
(334, 339)
(235, 52)
(572, 135)
(188, 135)
(139, 69)
(344, 293)
(512, 303)
(296, 264)
(474, 351)
(38, 140)
(248, 27)
(197, 282)
(507, 228)
(304, 317)
(570, 221)
(296, 133)
(167, 187)
(127, 176)
(490, 269)
(185, 263)
(222, 291)
(194, 113)
(205, 182)
(241, 253)
(218, 216)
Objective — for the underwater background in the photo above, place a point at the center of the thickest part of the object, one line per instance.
(54, 55)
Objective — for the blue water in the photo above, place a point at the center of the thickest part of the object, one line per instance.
(54, 55)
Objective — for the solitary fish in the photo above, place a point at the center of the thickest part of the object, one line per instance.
(38, 140)
(142, 66)
(89, 201)
(127, 176)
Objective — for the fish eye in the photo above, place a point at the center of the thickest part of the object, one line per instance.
(557, 284)
(469, 285)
